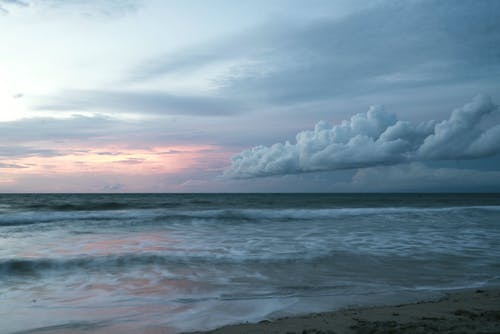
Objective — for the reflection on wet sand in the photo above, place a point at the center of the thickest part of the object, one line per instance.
(103, 246)
(143, 242)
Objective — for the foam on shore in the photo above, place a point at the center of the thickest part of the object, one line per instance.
(463, 311)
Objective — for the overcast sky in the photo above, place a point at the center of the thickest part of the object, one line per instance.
(218, 96)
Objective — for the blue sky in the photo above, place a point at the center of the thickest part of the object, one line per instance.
(175, 96)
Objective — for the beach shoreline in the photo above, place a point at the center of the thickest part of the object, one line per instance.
(459, 311)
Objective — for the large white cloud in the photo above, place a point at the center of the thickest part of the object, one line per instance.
(377, 138)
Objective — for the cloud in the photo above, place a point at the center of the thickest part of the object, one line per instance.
(140, 102)
(464, 135)
(24, 151)
(377, 138)
(18, 3)
(14, 2)
(47, 128)
(109, 153)
(446, 42)
(12, 166)
(130, 161)
(418, 177)
(92, 8)
(95, 130)
(113, 187)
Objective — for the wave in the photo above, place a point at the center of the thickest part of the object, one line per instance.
(259, 214)
(80, 207)
(33, 217)
(167, 215)
(31, 267)
(338, 261)
(98, 206)
(126, 261)
(105, 202)
(66, 327)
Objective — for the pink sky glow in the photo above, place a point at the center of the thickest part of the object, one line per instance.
(114, 168)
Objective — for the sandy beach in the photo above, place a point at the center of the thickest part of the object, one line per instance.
(465, 311)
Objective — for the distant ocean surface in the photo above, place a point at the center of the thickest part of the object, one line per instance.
(134, 263)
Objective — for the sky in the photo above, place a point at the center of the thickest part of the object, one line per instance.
(249, 96)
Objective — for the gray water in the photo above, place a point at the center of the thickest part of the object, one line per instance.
(134, 263)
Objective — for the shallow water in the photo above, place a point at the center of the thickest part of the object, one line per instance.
(132, 263)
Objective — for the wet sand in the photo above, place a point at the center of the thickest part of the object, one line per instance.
(465, 311)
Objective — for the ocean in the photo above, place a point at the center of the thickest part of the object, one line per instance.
(140, 263)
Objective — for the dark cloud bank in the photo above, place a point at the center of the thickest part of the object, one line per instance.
(393, 45)
(377, 138)
(143, 102)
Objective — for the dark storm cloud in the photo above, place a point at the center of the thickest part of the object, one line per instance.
(145, 102)
(378, 138)
(391, 46)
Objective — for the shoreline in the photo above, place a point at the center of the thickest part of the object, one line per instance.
(459, 311)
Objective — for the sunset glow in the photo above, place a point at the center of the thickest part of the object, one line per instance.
(281, 96)
(103, 160)
(123, 162)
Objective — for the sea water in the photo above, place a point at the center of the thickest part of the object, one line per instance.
(133, 263)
